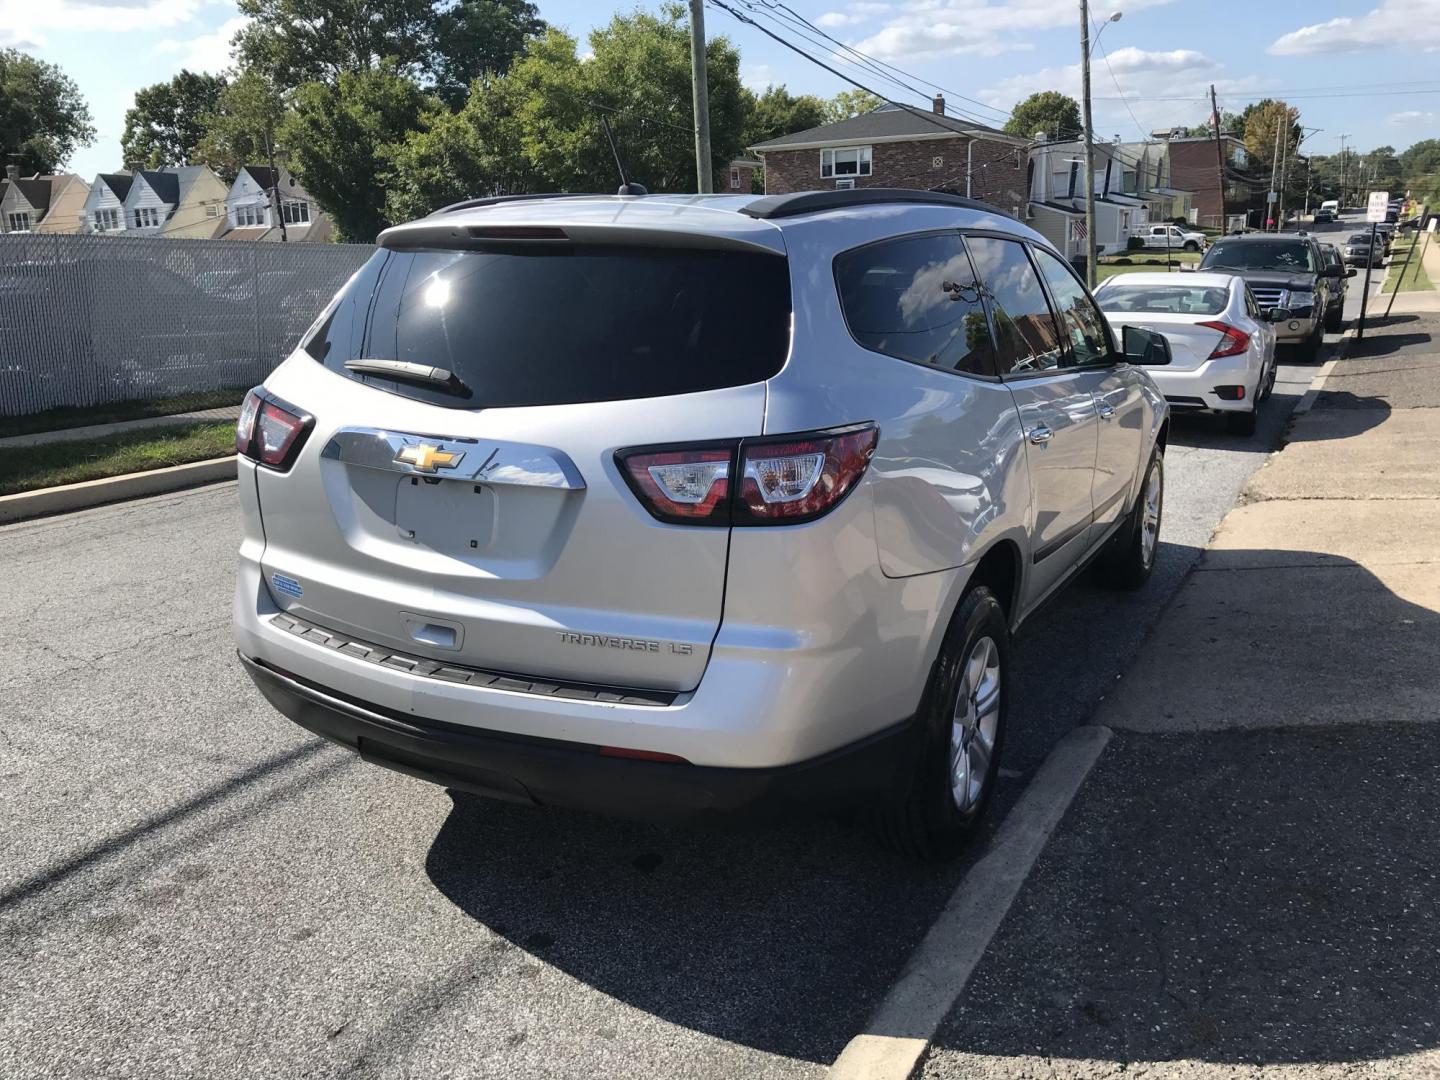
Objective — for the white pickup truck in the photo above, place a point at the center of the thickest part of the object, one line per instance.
(1173, 237)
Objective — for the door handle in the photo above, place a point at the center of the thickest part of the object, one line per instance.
(1040, 434)
(1107, 411)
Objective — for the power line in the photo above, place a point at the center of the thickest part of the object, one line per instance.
(1289, 96)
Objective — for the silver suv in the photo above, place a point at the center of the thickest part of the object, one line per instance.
(670, 505)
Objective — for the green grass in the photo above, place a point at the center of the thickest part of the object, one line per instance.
(1414, 278)
(1147, 261)
(68, 417)
(30, 467)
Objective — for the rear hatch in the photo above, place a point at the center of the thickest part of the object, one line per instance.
(476, 517)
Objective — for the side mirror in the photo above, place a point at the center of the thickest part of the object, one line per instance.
(1145, 347)
(1350, 271)
(1278, 314)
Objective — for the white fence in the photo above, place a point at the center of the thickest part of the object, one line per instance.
(88, 320)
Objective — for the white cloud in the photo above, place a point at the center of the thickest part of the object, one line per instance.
(854, 14)
(30, 18)
(757, 76)
(1413, 118)
(1142, 76)
(926, 29)
(205, 52)
(1395, 23)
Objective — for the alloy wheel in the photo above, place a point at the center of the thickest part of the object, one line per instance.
(1150, 514)
(975, 724)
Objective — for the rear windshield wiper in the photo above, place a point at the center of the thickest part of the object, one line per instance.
(437, 378)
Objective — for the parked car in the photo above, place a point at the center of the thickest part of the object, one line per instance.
(670, 506)
(1359, 252)
(1173, 237)
(1335, 306)
(1222, 345)
(1385, 233)
(1286, 271)
(1324, 216)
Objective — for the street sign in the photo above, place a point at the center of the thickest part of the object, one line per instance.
(1378, 205)
(1274, 196)
(1433, 222)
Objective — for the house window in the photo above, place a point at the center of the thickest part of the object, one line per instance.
(18, 222)
(295, 212)
(147, 217)
(108, 220)
(251, 215)
(213, 210)
(851, 161)
(735, 178)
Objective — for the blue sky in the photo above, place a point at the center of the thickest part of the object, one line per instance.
(1369, 69)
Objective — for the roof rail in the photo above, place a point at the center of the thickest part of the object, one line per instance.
(495, 200)
(814, 202)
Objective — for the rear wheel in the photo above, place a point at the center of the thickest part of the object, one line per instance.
(1131, 556)
(1191, 245)
(1267, 381)
(962, 727)
(1335, 319)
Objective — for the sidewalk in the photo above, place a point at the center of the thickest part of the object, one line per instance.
(102, 431)
(1249, 884)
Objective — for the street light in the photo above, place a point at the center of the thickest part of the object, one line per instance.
(1085, 47)
(1114, 16)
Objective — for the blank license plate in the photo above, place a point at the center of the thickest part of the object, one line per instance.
(453, 516)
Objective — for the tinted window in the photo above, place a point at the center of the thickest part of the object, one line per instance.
(916, 299)
(1026, 338)
(1169, 299)
(1292, 256)
(1081, 319)
(564, 324)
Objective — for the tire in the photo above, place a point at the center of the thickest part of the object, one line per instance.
(1267, 387)
(1191, 245)
(1243, 423)
(1335, 319)
(927, 820)
(1130, 558)
(1309, 349)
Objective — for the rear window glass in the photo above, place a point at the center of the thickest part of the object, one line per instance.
(1166, 299)
(562, 325)
(1290, 256)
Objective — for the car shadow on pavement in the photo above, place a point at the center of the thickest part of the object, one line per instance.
(1253, 897)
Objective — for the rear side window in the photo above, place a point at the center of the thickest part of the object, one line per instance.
(562, 325)
(916, 299)
(1026, 338)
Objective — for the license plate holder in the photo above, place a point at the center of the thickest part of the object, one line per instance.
(456, 517)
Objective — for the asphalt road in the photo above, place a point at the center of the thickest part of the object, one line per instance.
(191, 886)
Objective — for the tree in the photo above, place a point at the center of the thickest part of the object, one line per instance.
(850, 103)
(300, 41)
(777, 112)
(43, 118)
(168, 120)
(343, 140)
(1420, 159)
(244, 125)
(479, 37)
(1054, 113)
(1261, 121)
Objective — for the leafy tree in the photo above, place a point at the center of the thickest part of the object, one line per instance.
(300, 41)
(777, 112)
(243, 127)
(43, 118)
(168, 120)
(479, 37)
(1261, 121)
(1056, 114)
(1422, 158)
(343, 140)
(850, 103)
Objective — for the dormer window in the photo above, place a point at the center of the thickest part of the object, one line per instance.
(147, 217)
(251, 216)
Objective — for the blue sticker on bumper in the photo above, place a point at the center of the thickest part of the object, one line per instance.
(287, 585)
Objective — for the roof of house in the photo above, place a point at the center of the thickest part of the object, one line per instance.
(166, 185)
(36, 191)
(185, 177)
(1071, 211)
(261, 174)
(887, 123)
(249, 233)
(118, 183)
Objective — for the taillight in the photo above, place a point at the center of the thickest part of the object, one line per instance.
(1234, 341)
(781, 480)
(269, 430)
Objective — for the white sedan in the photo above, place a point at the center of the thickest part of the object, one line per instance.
(1222, 345)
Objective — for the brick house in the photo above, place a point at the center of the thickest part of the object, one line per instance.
(1196, 167)
(899, 147)
(737, 178)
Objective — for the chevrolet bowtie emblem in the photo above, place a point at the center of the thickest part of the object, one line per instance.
(426, 458)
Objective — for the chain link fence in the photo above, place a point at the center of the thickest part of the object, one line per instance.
(89, 320)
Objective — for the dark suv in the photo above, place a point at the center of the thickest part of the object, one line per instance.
(1286, 271)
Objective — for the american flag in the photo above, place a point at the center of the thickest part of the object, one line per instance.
(1079, 229)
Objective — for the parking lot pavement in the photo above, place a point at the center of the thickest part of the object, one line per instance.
(191, 886)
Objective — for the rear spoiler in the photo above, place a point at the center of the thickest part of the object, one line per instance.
(431, 234)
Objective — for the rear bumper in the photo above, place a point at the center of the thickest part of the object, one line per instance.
(1194, 391)
(577, 776)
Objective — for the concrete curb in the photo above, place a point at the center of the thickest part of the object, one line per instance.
(1307, 400)
(59, 500)
(895, 1040)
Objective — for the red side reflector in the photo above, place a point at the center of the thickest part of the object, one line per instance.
(641, 755)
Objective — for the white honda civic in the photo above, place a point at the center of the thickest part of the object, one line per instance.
(1222, 345)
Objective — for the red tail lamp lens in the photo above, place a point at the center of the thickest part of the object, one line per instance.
(1234, 342)
(788, 481)
(270, 431)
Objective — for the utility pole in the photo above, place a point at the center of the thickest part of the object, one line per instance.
(1089, 143)
(275, 188)
(1342, 169)
(1271, 208)
(700, 94)
(1219, 155)
(1284, 164)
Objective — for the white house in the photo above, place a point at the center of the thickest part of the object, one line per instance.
(151, 200)
(1057, 197)
(250, 207)
(104, 210)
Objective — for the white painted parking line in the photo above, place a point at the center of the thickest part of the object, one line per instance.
(896, 1037)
